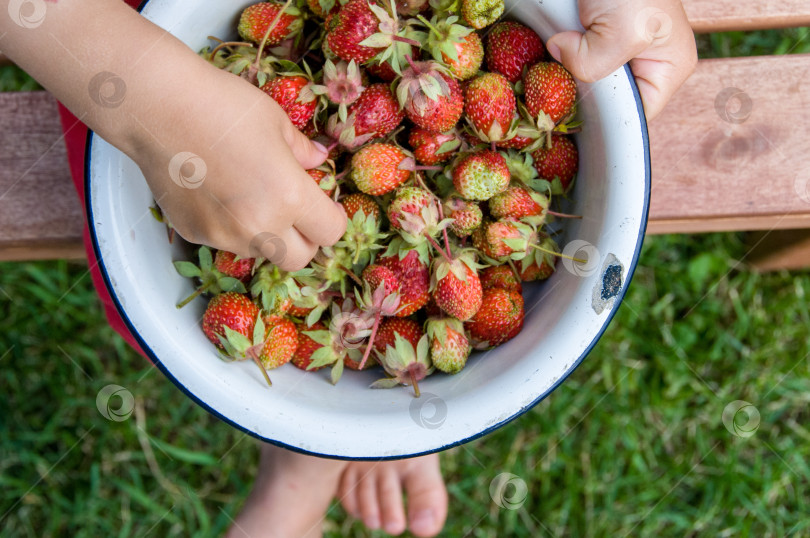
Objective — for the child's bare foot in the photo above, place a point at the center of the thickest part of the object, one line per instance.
(373, 491)
(290, 497)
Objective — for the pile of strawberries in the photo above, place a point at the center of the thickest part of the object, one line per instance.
(446, 147)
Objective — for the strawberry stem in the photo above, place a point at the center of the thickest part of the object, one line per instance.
(421, 167)
(563, 215)
(193, 296)
(411, 42)
(444, 230)
(224, 44)
(373, 335)
(415, 386)
(429, 26)
(559, 254)
(438, 248)
(351, 274)
(267, 34)
(410, 62)
(264, 371)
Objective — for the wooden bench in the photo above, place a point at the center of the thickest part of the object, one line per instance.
(728, 153)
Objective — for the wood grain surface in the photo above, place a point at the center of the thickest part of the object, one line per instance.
(726, 15)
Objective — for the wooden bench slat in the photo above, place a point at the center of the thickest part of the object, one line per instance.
(40, 214)
(728, 15)
(748, 171)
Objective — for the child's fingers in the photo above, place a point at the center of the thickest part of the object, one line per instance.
(309, 154)
(596, 53)
(320, 220)
(289, 250)
(657, 81)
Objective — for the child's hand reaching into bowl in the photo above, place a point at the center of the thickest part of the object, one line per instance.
(221, 158)
(653, 35)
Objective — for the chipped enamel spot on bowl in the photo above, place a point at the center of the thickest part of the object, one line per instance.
(302, 410)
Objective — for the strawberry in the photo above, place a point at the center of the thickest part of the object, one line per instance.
(561, 161)
(456, 46)
(500, 276)
(376, 111)
(456, 286)
(540, 263)
(432, 99)
(212, 280)
(449, 347)
(325, 180)
(414, 280)
(306, 347)
(517, 203)
(376, 275)
(466, 215)
(511, 47)
(378, 168)
(256, 19)
(405, 363)
(229, 264)
(323, 8)
(469, 54)
(410, 201)
(491, 238)
(431, 148)
(534, 271)
(391, 327)
(342, 84)
(550, 90)
(232, 310)
(481, 175)
(354, 203)
(489, 103)
(381, 70)
(295, 97)
(355, 22)
(353, 364)
(499, 319)
(481, 13)
(280, 343)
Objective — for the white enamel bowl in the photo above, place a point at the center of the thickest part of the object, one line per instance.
(565, 315)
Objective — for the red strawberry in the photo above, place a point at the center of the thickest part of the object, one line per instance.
(456, 287)
(499, 319)
(516, 203)
(466, 215)
(489, 103)
(324, 179)
(375, 275)
(489, 238)
(500, 276)
(449, 347)
(432, 99)
(376, 112)
(294, 95)
(426, 145)
(390, 327)
(511, 47)
(382, 71)
(307, 346)
(534, 271)
(481, 175)
(360, 202)
(227, 263)
(410, 201)
(470, 54)
(378, 168)
(354, 23)
(256, 19)
(550, 89)
(281, 341)
(414, 280)
(317, 7)
(561, 160)
(232, 310)
(455, 45)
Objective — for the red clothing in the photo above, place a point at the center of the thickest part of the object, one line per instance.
(75, 138)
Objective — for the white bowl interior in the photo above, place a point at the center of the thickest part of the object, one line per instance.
(302, 410)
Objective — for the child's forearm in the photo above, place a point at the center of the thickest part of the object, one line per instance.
(104, 61)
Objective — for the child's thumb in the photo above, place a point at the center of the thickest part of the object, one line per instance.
(592, 56)
(308, 153)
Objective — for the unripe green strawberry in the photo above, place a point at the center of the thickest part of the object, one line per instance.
(500, 276)
(499, 319)
(378, 168)
(431, 148)
(561, 161)
(481, 175)
(294, 95)
(391, 327)
(410, 201)
(449, 347)
(281, 341)
(256, 19)
(233, 310)
(481, 13)
(466, 215)
(307, 346)
(456, 287)
(489, 103)
(550, 89)
(511, 47)
(360, 202)
(517, 203)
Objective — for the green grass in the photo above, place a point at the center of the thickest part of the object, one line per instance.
(633, 443)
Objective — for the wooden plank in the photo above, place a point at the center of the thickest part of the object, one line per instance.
(782, 249)
(734, 159)
(40, 214)
(726, 15)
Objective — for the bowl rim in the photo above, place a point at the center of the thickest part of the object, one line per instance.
(199, 401)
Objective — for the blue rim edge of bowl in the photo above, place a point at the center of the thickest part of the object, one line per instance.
(145, 347)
